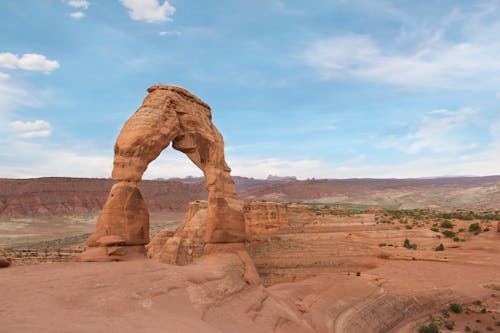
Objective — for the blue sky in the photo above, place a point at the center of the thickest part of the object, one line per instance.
(323, 89)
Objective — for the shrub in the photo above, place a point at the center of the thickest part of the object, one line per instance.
(439, 248)
(408, 245)
(448, 234)
(431, 328)
(449, 324)
(434, 229)
(454, 307)
(475, 228)
(358, 273)
(447, 224)
(382, 244)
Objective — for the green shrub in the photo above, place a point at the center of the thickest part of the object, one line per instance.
(449, 324)
(431, 328)
(454, 307)
(435, 229)
(439, 248)
(448, 234)
(447, 224)
(407, 244)
(474, 227)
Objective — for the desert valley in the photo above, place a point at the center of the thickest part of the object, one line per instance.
(264, 166)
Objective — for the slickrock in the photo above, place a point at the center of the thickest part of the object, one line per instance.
(169, 115)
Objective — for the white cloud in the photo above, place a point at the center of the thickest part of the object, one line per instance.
(428, 59)
(443, 65)
(149, 10)
(13, 96)
(43, 160)
(77, 15)
(438, 131)
(4, 76)
(170, 33)
(29, 62)
(29, 126)
(29, 130)
(79, 4)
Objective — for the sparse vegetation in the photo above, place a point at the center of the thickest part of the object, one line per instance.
(408, 245)
(431, 328)
(454, 307)
(449, 324)
(440, 247)
(475, 228)
(447, 224)
(448, 234)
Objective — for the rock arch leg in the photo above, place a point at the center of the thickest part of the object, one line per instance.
(168, 114)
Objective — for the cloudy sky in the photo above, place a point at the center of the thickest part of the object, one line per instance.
(324, 89)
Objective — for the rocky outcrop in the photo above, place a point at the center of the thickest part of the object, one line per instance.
(186, 243)
(4, 262)
(265, 218)
(169, 115)
(286, 242)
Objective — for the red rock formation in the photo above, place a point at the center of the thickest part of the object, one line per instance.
(264, 218)
(4, 262)
(169, 114)
(186, 243)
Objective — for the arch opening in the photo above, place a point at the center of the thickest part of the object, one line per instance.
(173, 116)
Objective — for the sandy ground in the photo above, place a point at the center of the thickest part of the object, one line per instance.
(145, 296)
(20, 231)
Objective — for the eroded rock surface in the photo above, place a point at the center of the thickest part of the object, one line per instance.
(4, 262)
(261, 219)
(169, 115)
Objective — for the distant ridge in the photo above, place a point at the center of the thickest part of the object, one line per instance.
(58, 196)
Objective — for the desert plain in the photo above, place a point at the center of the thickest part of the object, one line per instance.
(324, 265)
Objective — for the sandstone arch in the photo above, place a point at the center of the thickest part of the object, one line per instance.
(168, 114)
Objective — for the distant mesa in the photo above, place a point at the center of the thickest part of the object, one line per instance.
(274, 178)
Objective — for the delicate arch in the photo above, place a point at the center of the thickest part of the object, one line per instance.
(168, 115)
